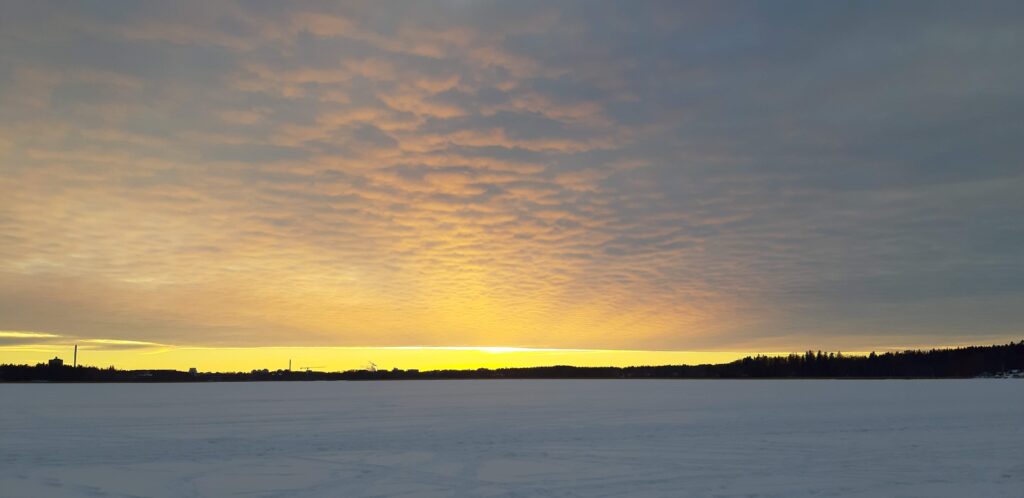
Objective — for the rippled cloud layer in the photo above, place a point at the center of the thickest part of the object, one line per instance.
(524, 174)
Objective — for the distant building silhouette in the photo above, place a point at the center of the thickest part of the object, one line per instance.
(56, 362)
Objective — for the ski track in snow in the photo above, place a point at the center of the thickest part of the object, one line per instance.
(505, 438)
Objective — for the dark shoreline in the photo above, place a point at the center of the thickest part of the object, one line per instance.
(954, 363)
(440, 379)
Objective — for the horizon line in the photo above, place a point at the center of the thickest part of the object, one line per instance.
(139, 355)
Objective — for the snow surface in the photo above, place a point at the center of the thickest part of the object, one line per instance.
(927, 438)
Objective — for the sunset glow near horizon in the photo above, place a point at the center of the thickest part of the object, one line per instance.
(322, 358)
(229, 185)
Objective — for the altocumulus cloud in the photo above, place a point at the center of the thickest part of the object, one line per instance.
(525, 174)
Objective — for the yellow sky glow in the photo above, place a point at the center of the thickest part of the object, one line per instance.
(348, 358)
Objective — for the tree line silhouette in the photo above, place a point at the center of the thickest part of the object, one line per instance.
(972, 361)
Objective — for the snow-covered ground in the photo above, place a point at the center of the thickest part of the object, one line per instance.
(927, 438)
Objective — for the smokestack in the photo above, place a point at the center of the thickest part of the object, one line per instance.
(76, 356)
(289, 364)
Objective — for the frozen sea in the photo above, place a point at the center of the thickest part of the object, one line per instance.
(500, 438)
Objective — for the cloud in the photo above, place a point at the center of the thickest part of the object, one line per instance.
(16, 338)
(710, 176)
(19, 340)
(119, 344)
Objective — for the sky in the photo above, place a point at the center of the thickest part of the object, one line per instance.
(631, 180)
